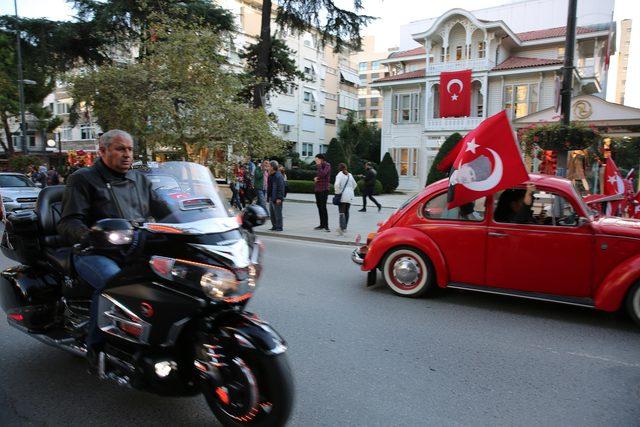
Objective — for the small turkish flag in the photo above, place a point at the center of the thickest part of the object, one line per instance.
(635, 211)
(489, 161)
(455, 94)
(613, 184)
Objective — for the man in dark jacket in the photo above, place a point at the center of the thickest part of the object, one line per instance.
(108, 189)
(321, 190)
(369, 187)
(275, 196)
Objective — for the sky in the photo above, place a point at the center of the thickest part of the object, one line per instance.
(394, 13)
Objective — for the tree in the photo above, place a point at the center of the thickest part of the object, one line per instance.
(185, 98)
(335, 155)
(338, 26)
(357, 139)
(388, 174)
(447, 146)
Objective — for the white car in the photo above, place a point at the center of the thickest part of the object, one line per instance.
(18, 192)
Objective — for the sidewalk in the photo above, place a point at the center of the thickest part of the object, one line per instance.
(300, 216)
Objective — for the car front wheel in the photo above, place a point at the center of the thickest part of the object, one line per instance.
(633, 303)
(408, 272)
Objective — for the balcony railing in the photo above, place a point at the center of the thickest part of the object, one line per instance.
(473, 64)
(453, 123)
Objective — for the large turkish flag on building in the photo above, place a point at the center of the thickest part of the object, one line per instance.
(489, 161)
(455, 94)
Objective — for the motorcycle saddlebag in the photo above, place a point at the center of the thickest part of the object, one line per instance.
(20, 239)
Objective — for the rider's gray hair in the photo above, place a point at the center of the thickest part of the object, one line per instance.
(107, 138)
(274, 164)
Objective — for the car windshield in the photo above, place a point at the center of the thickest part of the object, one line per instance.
(189, 191)
(14, 181)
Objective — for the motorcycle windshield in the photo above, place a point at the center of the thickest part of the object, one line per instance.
(188, 192)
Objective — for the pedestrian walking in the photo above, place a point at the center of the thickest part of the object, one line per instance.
(344, 189)
(321, 190)
(275, 195)
(53, 177)
(41, 176)
(260, 181)
(369, 187)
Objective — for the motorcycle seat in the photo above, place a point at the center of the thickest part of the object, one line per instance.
(49, 210)
(60, 258)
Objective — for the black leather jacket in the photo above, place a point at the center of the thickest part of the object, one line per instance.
(87, 199)
(370, 178)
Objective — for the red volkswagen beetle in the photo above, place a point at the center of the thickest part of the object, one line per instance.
(559, 251)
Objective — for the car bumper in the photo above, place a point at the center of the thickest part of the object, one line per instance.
(357, 257)
(15, 206)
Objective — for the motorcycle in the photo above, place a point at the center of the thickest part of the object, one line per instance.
(174, 318)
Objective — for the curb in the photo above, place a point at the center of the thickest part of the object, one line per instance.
(307, 239)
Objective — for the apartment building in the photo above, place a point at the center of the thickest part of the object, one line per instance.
(514, 71)
(370, 68)
(623, 59)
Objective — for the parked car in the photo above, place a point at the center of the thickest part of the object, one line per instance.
(565, 252)
(18, 191)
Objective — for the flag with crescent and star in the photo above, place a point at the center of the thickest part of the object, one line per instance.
(455, 94)
(613, 184)
(489, 161)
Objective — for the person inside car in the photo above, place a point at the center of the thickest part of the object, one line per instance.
(514, 206)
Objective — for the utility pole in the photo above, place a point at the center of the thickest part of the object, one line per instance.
(23, 123)
(567, 76)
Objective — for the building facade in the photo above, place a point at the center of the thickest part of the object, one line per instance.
(623, 59)
(370, 68)
(517, 72)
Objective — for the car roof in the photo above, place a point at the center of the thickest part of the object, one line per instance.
(550, 181)
(12, 173)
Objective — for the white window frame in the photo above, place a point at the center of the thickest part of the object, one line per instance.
(509, 101)
(482, 49)
(92, 132)
(308, 99)
(307, 150)
(62, 108)
(323, 148)
(411, 161)
(415, 108)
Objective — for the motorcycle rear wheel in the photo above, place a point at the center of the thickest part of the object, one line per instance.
(263, 383)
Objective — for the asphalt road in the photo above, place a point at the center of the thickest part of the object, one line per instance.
(364, 357)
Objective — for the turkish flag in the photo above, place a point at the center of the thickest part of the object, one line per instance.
(613, 184)
(455, 94)
(635, 211)
(489, 161)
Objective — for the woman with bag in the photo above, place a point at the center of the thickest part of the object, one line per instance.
(344, 188)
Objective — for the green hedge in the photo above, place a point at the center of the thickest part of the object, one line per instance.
(301, 186)
(301, 174)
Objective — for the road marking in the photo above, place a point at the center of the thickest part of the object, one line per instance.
(589, 356)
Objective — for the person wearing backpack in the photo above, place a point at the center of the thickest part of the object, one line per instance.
(344, 189)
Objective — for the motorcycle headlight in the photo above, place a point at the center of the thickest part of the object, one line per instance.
(217, 283)
(120, 237)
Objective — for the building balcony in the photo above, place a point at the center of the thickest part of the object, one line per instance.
(472, 64)
(589, 79)
(453, 123)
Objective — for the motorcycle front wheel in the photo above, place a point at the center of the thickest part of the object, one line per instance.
(256, 390)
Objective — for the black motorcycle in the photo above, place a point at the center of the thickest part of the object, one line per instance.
(174, 316)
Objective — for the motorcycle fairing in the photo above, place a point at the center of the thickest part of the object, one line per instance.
(250, 332)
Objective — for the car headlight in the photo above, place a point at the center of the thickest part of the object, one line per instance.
(7, 199)
(217, 283)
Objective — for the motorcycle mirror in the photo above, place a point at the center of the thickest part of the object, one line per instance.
(253, 216)
(110, 232)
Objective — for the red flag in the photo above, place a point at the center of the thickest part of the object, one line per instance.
(490, 161)
(455, 94)
(613, 184)
(446, 163)
(636, 206)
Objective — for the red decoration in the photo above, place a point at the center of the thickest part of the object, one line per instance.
(488, 161)
(455, 94)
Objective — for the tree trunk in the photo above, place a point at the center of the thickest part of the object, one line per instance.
(264, 54)
(8, 147)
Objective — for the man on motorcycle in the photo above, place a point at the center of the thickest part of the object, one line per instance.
(108, 189)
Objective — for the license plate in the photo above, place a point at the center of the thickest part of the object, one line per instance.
(28, 205)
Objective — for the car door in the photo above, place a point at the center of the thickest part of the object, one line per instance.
(460, 234)
(554, 255)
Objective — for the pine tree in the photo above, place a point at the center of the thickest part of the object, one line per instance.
(335, 155)
(447, 146)
(387, 174)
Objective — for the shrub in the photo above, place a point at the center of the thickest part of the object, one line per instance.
(299, 186)
(447, 146)
(301, 174)
(387, 174)
(20, 163)
(377, 190)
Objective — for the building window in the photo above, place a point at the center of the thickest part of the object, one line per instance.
(31, 139)
(482, 49)
(406, 161)
(61, 108)
(374, 114)
(375, 65)
(362, 91)
(308, 96)
(375, 102)
(458, 53)
(87, 132)
(363, 77)
(323, 148)
(362, 102)
(406, 108)
(375, 76)
(330, 122)
(561, 53)
(307, 150)
(442, 50)
(362, 67)
(66, 133)
(291, 89)
(520, 100)
(331, 96)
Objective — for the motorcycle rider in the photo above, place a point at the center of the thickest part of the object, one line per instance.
(108, 189)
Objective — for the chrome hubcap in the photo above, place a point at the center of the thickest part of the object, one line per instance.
(636, 303)
(406, 270)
